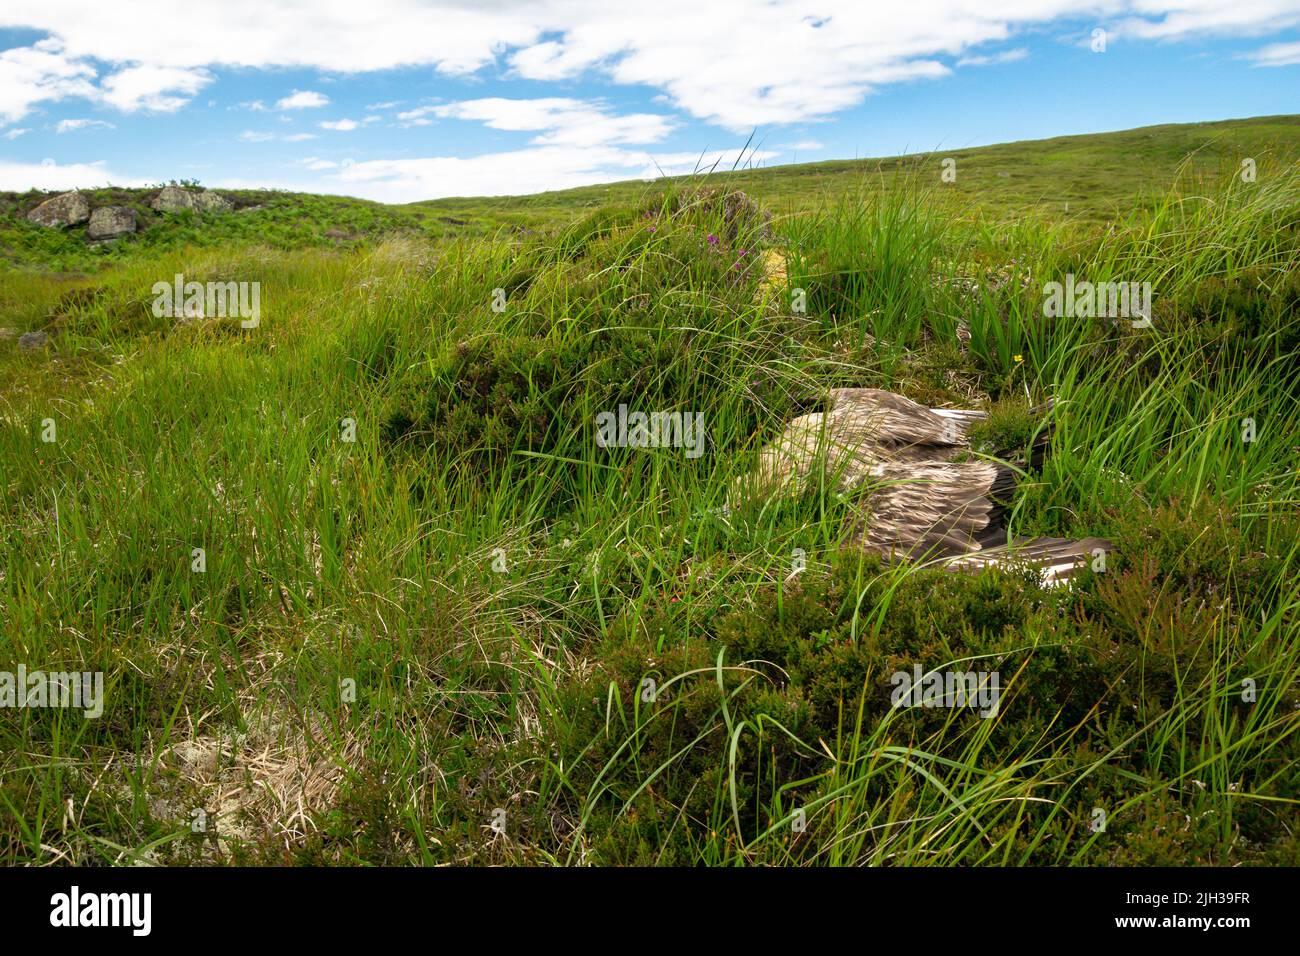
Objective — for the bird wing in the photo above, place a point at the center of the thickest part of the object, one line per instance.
(784, 463)
(864, 427)
(1058, 560)
(897, 424)
(811, 446)
(935, 509)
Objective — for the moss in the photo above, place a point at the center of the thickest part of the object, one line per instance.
(1008, 430)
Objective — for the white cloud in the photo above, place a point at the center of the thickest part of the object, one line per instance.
(341, 126)
(1277, 54)
(15, 133)
(303, 100)
(261, 136)
(558, 121)
(516, 172)
(46, 71)
(316, 164)
(1180, 19)
(737, 63)
(32, 74)
(160, 89)
(70, 125)
(19, 177)
(992, 59)
(416, 117)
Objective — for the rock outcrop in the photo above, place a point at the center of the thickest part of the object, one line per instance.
(66, 209)
(179, 199)
(111, 222)
(208, 201)
(173, 199)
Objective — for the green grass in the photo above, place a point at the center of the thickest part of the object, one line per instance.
(461, 612)
(1089, 180)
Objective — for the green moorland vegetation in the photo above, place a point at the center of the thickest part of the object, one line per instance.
(1093, 179)
(364, 588)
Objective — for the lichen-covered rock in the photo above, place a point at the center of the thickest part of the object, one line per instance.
(32, 340)
(174, 199)
(111, 222)
(208, 201)
(66, 209)
(179, 199)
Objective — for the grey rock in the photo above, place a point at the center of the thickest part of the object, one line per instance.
(208, 201)
(174, 199)
(32, 340)
(111, 222)
(179, 199)
(66, 209)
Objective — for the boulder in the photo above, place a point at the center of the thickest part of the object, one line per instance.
(66, 209)
(32, 340)
(179, 199)
(111, 222)
(208, 201)
(174, 199)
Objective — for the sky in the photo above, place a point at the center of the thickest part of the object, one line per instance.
(404, 100)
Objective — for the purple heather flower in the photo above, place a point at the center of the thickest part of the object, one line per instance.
(713, 240)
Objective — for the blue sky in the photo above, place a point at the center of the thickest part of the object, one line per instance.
(400, 100)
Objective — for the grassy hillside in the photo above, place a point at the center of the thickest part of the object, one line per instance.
(1092, 178)
(277, 219)
(365, 588)
(1088, 179)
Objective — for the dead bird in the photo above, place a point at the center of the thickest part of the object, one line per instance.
(923, 498)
